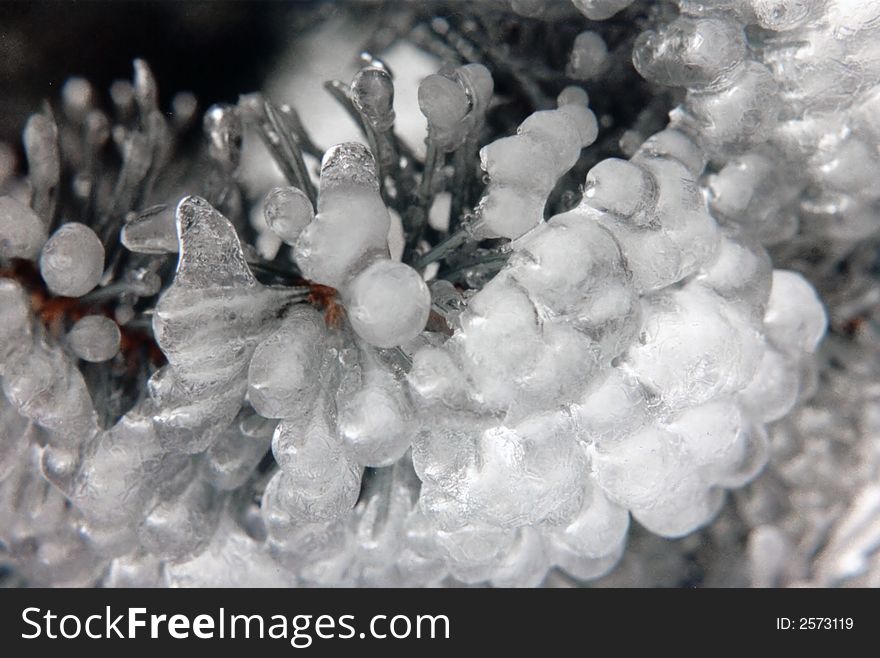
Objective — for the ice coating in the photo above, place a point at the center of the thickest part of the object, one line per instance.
(346, 247)
(588, 56)
(22, 232)
(94, 338)
(524, 168)
(280, 374)
(454, 103)
(620, 368)
(212, 281)
(350, 228)
(288, 211)
(72, 260)
(599, 10)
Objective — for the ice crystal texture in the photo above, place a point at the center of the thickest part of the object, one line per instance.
(489, 358)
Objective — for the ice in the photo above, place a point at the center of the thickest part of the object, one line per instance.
(212, 280)
(22, 231)
(150, 232)
(351, 227)
(693, 347)
(231, 559)
(525, 564)
(740, 115)
(40, 139)
(741, 273)
(387, 303)
(588, 56)
(14, 438)
(114, 482)
(623, 188)
(317, 481)
(288, 211)
(612, 410)
(15, 319)
(436, 376)
(281, 375)
(524, 168)
(773, 390)
(670, 233)
(715, 435)
(375, 421)
(208, 358)
(783, 15)
(72, 260)
(181, 526)
(231, 460)
(753, 192)
(454, 103)
(795, 320)
(43, 384)
(690, 52)
(599, 10)
(94, 338)
(286, 499)
(675, 145)
(372, 92)
(599, 528)
(540, 467)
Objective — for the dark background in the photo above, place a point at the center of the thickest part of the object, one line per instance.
(216, 49)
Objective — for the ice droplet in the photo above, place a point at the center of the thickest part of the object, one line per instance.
(94, 338)
(72, 260)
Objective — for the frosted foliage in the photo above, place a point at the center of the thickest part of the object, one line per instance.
(556, 346)
(72, 260)
(22, 232)
(95, 338)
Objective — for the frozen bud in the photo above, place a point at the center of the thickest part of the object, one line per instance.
(619, 186)
(689, 52)
(72, 260)
(288, 211)
(588, 56)
(95, 338)
(388, 303)
(22, 232)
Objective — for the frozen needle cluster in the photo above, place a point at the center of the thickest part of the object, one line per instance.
(478, 366)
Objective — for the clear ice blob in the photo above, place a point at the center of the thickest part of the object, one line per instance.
(72, 260)
(94, 338)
